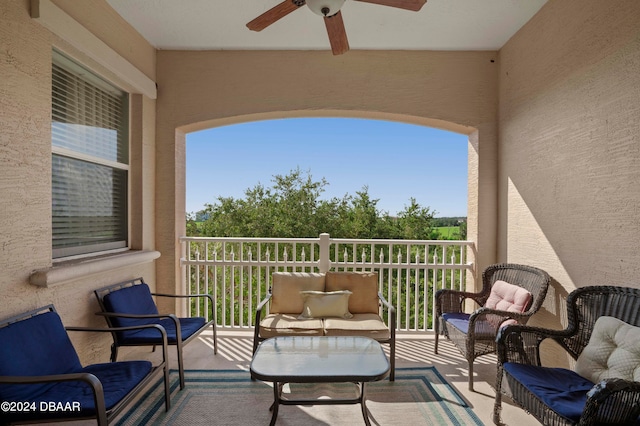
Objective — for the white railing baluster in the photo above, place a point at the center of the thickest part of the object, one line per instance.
(223, 290)
(197, 282)
(399, 288)
(416, 295)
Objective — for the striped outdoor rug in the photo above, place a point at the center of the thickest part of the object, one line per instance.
(419, 396)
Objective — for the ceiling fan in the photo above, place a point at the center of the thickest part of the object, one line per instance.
(330, 11)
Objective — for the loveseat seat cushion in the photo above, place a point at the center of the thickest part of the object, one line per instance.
(562, 390)
(366, 325)
(362, 285)
(289, 325)
(286, 288)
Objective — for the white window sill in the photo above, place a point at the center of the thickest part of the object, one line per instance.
(58, 274)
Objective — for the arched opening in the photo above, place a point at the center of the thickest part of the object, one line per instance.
(393, 162)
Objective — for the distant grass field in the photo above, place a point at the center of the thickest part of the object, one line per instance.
(447, 231)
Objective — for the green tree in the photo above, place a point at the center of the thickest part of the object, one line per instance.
(292, 207)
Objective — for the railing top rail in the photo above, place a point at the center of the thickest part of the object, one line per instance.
(386, 241)
(399, 241)
(253, 239)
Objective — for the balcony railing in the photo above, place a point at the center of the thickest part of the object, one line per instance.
(237, 271)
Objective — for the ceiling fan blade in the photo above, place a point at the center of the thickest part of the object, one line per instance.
(337, 34)
(413, 5)
(274, 14)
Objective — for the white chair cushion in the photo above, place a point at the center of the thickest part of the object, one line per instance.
(613, 351)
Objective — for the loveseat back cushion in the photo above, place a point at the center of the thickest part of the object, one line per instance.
(135, 299)
(286, 288)
(613, 351)
(37, 346)
(362, 285)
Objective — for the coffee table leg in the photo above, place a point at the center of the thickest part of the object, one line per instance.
(365, 412)
(277, 389)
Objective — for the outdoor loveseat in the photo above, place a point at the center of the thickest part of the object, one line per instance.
(326, 304)
(603, 336)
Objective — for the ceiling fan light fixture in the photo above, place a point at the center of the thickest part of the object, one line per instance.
(325, 8)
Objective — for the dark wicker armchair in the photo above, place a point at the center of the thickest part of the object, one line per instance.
(474, 334)
(610, 401)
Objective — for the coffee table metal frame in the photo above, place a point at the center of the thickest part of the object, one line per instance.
(319, 359)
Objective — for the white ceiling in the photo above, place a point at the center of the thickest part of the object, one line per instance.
(221, 25)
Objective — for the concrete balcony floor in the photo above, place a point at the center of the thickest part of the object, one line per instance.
(413, 350)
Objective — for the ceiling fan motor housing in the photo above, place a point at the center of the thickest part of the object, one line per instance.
(325, 8)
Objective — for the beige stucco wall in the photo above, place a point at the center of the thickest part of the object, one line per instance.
(553, 125)
(569, 146)
(25, 165)
(196, 90)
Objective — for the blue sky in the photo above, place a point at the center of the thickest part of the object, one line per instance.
(395, 160)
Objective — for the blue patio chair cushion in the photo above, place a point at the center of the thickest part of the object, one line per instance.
(461, 322)
(135, 299)
(188, 326)
(564, 391)
(35, 347)
(118, 379)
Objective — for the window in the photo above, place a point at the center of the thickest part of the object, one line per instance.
(90, 161)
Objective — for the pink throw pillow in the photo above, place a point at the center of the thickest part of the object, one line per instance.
(508, 297)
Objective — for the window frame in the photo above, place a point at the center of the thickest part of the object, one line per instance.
(123, 164)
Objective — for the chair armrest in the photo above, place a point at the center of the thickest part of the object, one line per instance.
(174, 318)
(521, 343)
(256, 324)
(183, 296)
(161, 330)
(451, 301)
(261, 306)
(188, 296)
(137, 316)
(493, 318)
(612, 401)
(392, 312)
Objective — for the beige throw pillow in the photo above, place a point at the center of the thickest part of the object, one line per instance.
(318, 304)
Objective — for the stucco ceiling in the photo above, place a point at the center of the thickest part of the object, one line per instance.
(221, 25)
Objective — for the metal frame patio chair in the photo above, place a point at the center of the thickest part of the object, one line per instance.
(131, 302)
(40, 369)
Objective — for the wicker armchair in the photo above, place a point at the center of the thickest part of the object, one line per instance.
(474, 334)
(611, 401)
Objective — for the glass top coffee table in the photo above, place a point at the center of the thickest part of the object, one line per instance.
(319, 359)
